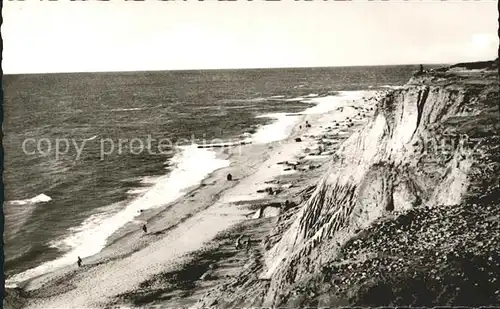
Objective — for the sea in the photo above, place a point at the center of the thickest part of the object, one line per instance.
(85, 152)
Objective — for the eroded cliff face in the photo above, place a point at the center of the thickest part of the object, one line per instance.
(417, 151)
(402, 190)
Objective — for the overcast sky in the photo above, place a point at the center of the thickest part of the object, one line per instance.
(65, 36)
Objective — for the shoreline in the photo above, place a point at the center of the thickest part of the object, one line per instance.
(212, 196)
(130, 227)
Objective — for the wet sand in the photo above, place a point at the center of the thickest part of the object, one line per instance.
(199, 220)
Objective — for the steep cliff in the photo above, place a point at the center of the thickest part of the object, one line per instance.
(413, 191)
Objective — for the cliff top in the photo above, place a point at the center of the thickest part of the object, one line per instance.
(484, 72)
(431, 254)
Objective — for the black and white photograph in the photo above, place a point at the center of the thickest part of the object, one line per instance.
(250, 154)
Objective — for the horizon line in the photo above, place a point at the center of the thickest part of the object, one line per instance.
(228, 69)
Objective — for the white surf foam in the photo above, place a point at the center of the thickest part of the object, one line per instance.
(282, 127)
(40, 198)
(137, 191)
(312, 95)
(192, 166)
(333, 102)
(391, 87)
(276, 131)
(133, 109)
(246, 135)
(149, 180)
(259, 99)
(91, 138)
(226, 144)
(294, 99)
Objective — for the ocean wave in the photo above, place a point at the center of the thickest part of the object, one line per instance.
(40, 198)
(227, 144)
(332, 102)
(137, 191)
(276, 131)
(259, 99)
(150, 180)
(281, 128)
(192, 165)
(246, 135)
(18, 212)
(391, 86)
(91, 138)
(294, 99)
(133, 109)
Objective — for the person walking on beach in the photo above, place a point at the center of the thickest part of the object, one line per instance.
(248, 244)
(144, 229)
(287, 205)
(79, 262)
(238, 242)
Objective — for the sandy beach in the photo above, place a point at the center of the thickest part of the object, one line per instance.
(207, 211)
(215, 155)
